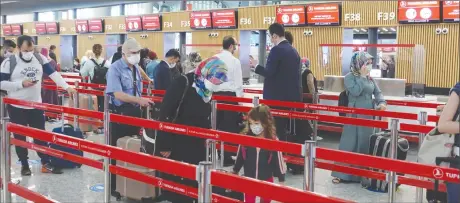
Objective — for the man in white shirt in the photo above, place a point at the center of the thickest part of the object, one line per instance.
(226, 120)
(23, 83)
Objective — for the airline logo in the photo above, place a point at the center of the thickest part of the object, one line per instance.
(438, 173)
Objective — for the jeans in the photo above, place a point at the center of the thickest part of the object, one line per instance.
(32, 118)
(453, 193)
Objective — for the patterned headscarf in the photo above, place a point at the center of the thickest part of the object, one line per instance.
(213, 70)
(358, 60)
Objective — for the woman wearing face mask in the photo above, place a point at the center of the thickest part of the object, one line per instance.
(187, 102)
(259, 163)
(360, 88)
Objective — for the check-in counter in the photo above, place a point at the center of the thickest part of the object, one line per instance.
(388, 86)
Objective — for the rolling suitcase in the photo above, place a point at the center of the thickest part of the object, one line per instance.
(88, 102)
(380, 146)
(129, 188)
(68, 130)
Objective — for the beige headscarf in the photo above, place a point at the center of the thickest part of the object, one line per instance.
(358, 60)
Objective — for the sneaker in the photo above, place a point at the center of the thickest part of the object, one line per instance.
(48, 168)
(25, 171)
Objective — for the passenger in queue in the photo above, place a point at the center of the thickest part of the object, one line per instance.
(447, 124)
(282, 74)
(192, 61)
(258, 163)
(8, 49)
(117, 55)
(52, 53)
(228, 121)
(88, 55)
(24, 84)
(152, 65)
(163, 74)
(187, 102)
(124, 85)
(360, 87)
(49, 96)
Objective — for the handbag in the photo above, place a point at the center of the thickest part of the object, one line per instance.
(435, 145)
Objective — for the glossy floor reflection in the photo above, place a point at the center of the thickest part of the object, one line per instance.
(86, 184)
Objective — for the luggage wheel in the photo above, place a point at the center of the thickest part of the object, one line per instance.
(117, 195)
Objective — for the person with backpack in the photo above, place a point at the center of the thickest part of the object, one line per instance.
(20, 77)
(448, 124)
(259, 163)
(96, 68)
(360, 88)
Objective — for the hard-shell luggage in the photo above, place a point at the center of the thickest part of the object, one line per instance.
(380, 146)
(88, 102)
(131, 188)
(68, 130)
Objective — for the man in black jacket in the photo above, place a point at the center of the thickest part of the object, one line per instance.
(163, 76)
(282, 74)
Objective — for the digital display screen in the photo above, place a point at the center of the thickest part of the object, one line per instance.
(151, 23)
(95, 26)
(419, 12)
(224, 19)
(451, 11)
(133, 23)
(200, 20)
(291, 15)
(16, 30)
(52, 28)
(81, 26)
(6, 30)
(323, 14)
(40, 28)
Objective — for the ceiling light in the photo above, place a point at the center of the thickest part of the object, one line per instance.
(384, 29)
(364, 30)
(7, 2)
(392, 29)
(356, 30)
(378, 30)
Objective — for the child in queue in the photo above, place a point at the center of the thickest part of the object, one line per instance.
(259, 163)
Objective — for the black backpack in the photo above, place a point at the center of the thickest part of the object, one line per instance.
(100, 72)
(343, 101)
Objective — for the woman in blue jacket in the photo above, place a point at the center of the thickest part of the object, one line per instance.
(360, 87)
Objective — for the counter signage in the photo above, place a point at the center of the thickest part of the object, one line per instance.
(323, 14)
(133, 24)
(224, 19)
(52, 28)
(151, 22)
(82, 26)
(290, 15)
(16, 30)
(451, 11)
(419, 12)
(95, 26)
(40, 28)
(6, 30)
(200, 20)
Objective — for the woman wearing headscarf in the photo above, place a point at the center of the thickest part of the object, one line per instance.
(360, 87)
(187, 102)
(49, 96)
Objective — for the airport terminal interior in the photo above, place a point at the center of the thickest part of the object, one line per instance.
(411, 57)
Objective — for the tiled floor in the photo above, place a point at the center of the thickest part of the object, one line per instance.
(86, 184)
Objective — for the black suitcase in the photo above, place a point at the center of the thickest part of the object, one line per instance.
(380, 146)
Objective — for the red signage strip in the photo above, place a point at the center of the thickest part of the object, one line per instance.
(323, 14)
(40, 28)
(133, 23)
(95, 26)
(224, 19)
(451, 11)
(6, 30)
(200, 20)
(151, 23)
(291, 15)
(52, 28)
(81, 26)
(16, 30)
(419, 11)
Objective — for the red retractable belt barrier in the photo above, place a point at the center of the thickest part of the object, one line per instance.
(80, 120)
(160, 183)
(267, 190)
(319, 107)
(28, 194)
(164, 165)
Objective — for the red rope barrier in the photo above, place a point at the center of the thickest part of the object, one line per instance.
(164, 165)
(80, 120)
(368, 45)
(267, 190)
(28, 194)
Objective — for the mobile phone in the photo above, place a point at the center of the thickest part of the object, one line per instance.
(35, 81)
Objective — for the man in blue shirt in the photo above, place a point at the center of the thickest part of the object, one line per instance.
(124, 85)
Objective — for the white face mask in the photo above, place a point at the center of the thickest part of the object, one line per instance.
(134, 59)
(8, 54)
(256, 128)
(172, 65)
(75, 63)
(27, 55)
(369, 68)
(210, 86)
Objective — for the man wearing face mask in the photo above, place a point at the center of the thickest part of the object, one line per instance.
(226, 120)
(282, 74)
(8, 49)
(124, 85)
(163, 76)
(20, 76)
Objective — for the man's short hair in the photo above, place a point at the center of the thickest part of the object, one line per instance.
(173, 53)
(9, 44)
(228, 41)
(25, 39)
(289, 37)
(52, 47)
(119, 49)
(277, 29)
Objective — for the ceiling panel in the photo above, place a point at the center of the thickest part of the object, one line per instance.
(30, 6)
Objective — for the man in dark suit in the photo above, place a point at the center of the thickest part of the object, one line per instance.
(164, 73)
(282, 74)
